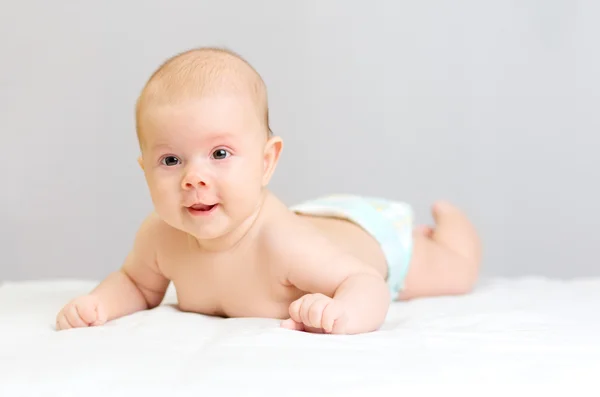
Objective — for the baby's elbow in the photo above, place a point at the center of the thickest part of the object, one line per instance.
(153, 299)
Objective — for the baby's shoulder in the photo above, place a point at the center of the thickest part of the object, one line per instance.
(292, 238)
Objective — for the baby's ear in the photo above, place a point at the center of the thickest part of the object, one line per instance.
(272, 152)
(140, 162)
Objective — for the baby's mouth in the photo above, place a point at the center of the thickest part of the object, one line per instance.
(202, 207)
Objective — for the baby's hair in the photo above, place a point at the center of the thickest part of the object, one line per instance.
(201, 71)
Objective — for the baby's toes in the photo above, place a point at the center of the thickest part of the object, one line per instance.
(424, 230)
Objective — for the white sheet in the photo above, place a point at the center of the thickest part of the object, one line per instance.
(530, 332)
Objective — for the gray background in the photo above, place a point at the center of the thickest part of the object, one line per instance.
(491, 104)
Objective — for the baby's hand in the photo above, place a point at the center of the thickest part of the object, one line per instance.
(84, 311)
(317, 313)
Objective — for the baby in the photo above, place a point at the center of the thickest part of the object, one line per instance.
(232, 249)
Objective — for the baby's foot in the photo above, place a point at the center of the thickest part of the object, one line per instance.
(424, 230)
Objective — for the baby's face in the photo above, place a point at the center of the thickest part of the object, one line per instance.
(204, 163)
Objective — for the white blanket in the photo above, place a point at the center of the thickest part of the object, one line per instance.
(531, 333)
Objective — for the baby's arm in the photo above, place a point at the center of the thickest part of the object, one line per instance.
(138, 285)
(345, 295)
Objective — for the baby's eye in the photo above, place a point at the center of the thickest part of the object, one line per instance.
(170, 161)
(220, 154)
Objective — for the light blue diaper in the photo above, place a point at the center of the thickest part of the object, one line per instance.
(389, 222)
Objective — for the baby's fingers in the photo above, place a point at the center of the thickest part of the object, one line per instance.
(62, 323)
(87, 312)
(293, 325)
(294, 309)
(74, 317)
(100, 315)
(334, 319)
(307, 312)
(315, 312)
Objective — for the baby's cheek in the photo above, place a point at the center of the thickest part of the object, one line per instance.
(156, 192)
(247, 189)
(162, 194)
(163, 185)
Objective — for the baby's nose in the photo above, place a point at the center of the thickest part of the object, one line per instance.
(190, 185)
(193, 179)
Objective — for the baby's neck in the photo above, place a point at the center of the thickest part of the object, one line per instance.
(237, 238)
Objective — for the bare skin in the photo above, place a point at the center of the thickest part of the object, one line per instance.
(229, 246)
(251, 279)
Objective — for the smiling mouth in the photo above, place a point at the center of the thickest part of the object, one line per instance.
(201, 209)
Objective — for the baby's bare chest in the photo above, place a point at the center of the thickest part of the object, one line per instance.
(247, 285)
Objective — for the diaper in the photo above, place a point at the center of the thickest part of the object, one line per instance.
(389, 222)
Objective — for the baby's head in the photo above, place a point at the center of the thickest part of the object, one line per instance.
(206, 146)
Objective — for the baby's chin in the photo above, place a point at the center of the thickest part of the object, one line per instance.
(200, 228)
(208, 234)
(213, 226)
(204, 229)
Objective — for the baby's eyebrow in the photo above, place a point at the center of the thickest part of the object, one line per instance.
(220, 136)
(160, 145)
(216, 138)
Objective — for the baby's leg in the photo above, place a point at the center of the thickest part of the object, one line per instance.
(446, 258)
